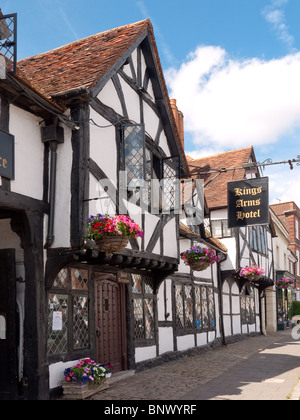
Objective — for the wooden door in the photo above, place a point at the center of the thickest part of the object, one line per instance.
(110, 321)
(8, 336)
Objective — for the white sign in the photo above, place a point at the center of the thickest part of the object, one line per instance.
(2, 328)
(57, 324)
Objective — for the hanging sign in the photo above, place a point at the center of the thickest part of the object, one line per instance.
(7, 155)
(248, 202)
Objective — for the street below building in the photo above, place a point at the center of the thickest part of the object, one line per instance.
(259, 368)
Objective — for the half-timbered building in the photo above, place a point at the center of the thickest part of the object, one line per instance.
(109, 132)
(242, 303)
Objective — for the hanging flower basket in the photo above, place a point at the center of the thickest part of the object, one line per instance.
(199, 259)
(112, 234)
(285, 283)
(111, 244)
(252, 273)
(85, 379)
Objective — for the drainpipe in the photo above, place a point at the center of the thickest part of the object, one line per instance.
(53, 135)
(220, 294)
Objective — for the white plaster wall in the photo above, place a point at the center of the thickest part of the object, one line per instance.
(201, 339)
(56, 373)
(145, 353)
(29, 153)
(185, 244)
(132, 101)
(165, 340)
(236, 322)
(170, 239)
(63, 192)
(185, 342)
(227, 325)
(103, 149)
(163, 143)
(109, 97)
(151, 222)
(161, 301)
(151, 121)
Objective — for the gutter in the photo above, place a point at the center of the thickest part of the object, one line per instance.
(53, 135)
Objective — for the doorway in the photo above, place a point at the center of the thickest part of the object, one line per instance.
(111, 343)
(8, 329)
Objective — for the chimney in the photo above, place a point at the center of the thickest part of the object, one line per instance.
(179, 119)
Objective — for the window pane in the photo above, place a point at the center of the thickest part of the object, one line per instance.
(79, 279)
(137, 284)
(198, 307)
(171, 183)
(134, 146)
(139, 318)
(226, 231)
(211, 305)
(58, 340)
(80, 322)
(188, 307)
(149, 318)
(216, 227)
(149, 285)
(2, 326)
(61, 279)
(179, 307)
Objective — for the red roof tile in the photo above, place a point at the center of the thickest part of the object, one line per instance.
(81, 63)
(216, 183)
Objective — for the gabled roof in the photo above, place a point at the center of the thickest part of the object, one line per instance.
(81, 63)
(216, 182)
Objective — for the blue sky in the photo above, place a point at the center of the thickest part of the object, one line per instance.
(232, 65)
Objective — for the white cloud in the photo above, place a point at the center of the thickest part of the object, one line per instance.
(230, 103)
(275, 15)
(235, 103)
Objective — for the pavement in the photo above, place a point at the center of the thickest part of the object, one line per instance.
(259, 368)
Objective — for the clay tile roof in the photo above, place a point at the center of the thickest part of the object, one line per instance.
(185, 232)
(216, 184)
(81, 63)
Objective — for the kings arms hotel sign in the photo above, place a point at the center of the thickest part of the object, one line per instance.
(248, 202)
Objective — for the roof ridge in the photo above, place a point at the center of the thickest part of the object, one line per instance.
(146, 21)
(221, 154)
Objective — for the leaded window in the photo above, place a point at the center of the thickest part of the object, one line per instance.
(195, 308)
(134, 153)
(144, 301)
(152, 181)
(171, 184)
(248, 305)
(68, 317)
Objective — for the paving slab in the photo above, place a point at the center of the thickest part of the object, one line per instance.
(258, 368)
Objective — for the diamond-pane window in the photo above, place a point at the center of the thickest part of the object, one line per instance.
(149, 318)
(79, 279)
(139, 318)
(70, 297)
(61, 279)
(58, 340)
(8, 42)
(134, 152)
(80, 322)
(171, 184)
(137, 284)
(144, 301)
(195, 308)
